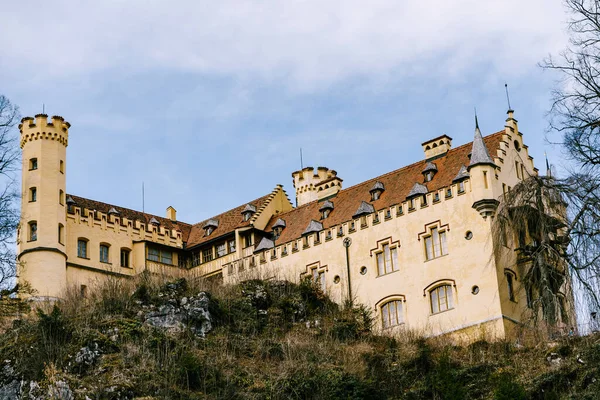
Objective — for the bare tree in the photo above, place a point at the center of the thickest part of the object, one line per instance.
(575, 110)
(9, 195)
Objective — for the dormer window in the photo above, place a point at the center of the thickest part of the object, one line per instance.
(210, 226)
(278, 228)
(248, 212)
(429, 171)
(376, 191)
(326, 209)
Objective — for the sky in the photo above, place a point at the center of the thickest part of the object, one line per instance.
(208, 103)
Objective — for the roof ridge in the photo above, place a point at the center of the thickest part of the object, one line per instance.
(125, 208)
(231, 209)
(392, 172)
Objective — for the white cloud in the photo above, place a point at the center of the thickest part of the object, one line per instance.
(309, 44)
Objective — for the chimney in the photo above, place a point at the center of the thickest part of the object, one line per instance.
(171, 213)
(437, 146)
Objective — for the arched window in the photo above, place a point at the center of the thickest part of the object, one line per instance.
(392, 313)
(511, 277)
(82, 248)
(441, 298)
(32, 231)
(104, 252)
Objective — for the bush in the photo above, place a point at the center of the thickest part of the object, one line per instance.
(507, 388)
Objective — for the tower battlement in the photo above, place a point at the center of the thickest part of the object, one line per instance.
(39, 128)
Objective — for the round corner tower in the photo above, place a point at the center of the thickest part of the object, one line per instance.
(41, 250)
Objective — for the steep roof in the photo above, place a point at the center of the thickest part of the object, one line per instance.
(479, 151)
(82, 202)
(228, 222)
(397, 183)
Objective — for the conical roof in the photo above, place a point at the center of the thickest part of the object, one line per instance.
(417, 189)
(264, 244)
(211, 222)
(364, 208)
(377, 186)
(462, 174)
(313, 226)
(327, 205)
(479, 152)
(430, 167)
(279, 223)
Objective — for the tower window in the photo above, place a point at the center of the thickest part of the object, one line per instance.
(32, 231)
(125, 258)
(61, 197)
(61, 167)
(104, 253)
(82, 248)
(510, 278)
(61, 234)
(33, 164)
(33, 194)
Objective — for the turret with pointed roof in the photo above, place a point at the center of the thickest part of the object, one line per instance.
(479, 152)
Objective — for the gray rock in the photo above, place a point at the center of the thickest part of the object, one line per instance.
(193, 314)
(60, 390)
(11, 390)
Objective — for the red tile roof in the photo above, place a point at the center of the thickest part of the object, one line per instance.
(82, 202)
(397, 186)
(228, 222)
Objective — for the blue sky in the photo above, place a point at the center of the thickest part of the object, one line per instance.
(208, 103)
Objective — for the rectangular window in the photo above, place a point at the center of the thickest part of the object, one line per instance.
(392, 313)
(461, 187)
(435, 244)
(411, 204)
(207, 255)
(61, 234)
(318, 278)
(82, 248)
(195, 259)
(248, 240)
(161, 256)
(518, 169)
(33, 164)
(125, 258)
(61, 167)
(232, 246)
(33, 194)
(449, 192)
(32, 231)
(387, 260)
(153, 254)
(221, 249)
(485, 181)
(103, 253)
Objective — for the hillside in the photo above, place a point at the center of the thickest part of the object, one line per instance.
(263, 340)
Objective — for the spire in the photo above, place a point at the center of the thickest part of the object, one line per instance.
(479, 152)
(548, 169)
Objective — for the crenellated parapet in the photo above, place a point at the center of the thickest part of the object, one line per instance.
(137, 230)
(40, 129)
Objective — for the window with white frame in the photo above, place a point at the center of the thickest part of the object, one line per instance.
(231, 244)
(441, 298)
(435, 244)
(387, 260)
(392, 313)
(221, 249)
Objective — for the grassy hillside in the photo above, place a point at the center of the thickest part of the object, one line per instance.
(264, 340)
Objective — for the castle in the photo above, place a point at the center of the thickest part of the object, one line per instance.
(414, 244)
